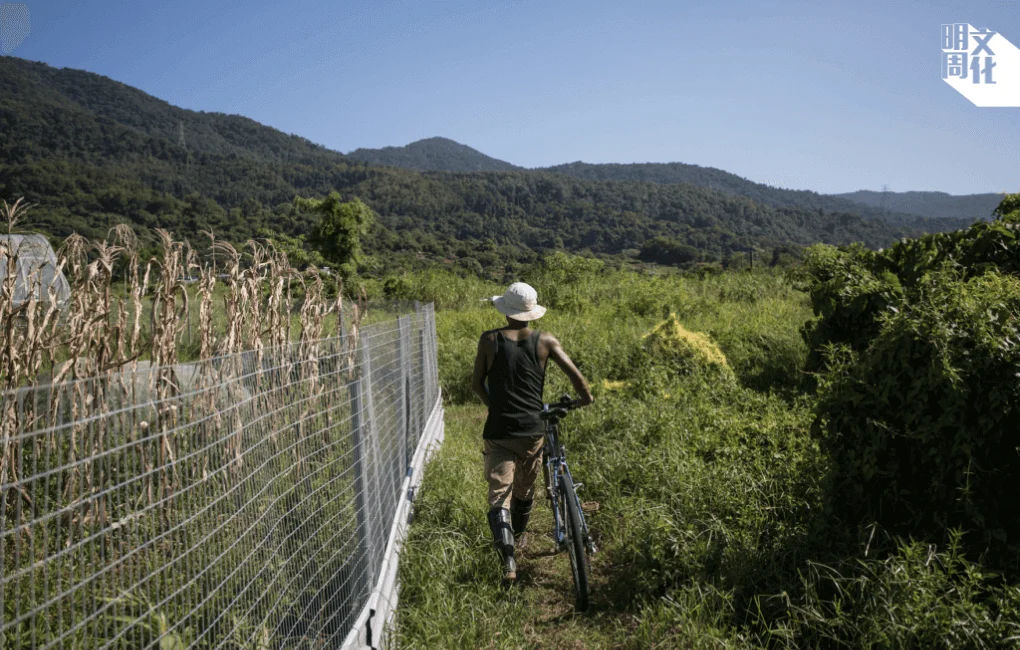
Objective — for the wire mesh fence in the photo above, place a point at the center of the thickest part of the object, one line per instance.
(243, 501)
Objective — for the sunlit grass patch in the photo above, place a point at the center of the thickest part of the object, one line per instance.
(692, 351)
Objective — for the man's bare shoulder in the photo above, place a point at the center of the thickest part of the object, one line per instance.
(547, 342)
(488, 337)
(548, 339)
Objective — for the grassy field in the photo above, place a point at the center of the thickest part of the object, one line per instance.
(710, 492)
(673, 461)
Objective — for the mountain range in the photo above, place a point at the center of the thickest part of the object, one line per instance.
(442, 154)
(91, 152)
(938, 205)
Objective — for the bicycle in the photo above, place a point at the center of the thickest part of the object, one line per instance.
(570, 530)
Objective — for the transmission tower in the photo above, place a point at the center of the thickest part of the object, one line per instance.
(885, 198)
(183, 144)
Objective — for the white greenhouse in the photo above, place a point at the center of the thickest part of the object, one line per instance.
(35, 266)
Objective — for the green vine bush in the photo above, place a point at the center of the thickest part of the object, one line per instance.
(918, 353)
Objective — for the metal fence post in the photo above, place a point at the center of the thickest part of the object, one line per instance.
(419, 397)
(403, 333)
(371, 438)
(423, 399)
(433, 373)
(362, 566)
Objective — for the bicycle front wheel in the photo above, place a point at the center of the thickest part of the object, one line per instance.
(575, 541)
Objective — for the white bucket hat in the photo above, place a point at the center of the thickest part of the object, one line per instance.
(520, 302)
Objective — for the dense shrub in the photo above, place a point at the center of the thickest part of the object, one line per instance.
(852, 287)
(984, 246)
(848, 298)
(922, 424)
(919, 395)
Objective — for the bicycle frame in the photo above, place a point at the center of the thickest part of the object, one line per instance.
(555, 466)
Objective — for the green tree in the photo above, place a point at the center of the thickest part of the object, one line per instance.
(664, 250)
(338, 233)
(294, 248)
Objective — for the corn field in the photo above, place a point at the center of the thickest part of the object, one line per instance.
(242, 500)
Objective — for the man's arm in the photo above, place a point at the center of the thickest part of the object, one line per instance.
(577, 380)
(481, 369)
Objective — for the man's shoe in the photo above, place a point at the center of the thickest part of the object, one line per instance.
(509, 567)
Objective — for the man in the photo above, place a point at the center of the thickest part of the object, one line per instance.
(512, 360)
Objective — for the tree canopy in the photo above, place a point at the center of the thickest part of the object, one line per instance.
(338, 232)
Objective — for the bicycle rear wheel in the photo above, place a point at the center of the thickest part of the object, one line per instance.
(575, 541)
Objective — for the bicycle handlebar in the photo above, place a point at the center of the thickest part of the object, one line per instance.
(558, 409)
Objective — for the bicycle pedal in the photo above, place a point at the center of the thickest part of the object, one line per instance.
(578, 486)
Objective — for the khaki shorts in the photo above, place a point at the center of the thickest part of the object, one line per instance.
(511, 467)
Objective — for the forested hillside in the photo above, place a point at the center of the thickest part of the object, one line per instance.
(433, 154)
(91, 152)
(930, 204)
(903, 208)
(718, 179)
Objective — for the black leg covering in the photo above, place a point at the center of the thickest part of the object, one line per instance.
(520, 512)
(503, 539)
(502, 530)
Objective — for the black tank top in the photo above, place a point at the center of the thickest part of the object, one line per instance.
(515, 380)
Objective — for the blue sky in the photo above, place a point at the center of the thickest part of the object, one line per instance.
(828, 95)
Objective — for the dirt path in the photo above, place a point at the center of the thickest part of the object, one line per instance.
(545, 584)
(547, 576)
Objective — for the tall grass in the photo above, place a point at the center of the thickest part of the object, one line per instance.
(712, 494)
